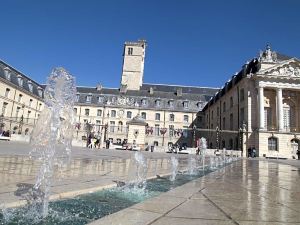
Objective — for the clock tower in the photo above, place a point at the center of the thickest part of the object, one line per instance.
(133, 65)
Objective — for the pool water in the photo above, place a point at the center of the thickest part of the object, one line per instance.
(89, 207)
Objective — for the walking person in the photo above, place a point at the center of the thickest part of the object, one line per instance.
(298, 153)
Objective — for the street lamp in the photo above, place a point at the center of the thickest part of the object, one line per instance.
(217, 137)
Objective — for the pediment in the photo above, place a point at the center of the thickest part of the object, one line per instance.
(290, 68)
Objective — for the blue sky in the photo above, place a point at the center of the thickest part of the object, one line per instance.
(190, 42)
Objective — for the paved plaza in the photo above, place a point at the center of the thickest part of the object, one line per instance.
(247, 192)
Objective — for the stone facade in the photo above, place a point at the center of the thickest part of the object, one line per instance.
(259, 107)
(170, 111)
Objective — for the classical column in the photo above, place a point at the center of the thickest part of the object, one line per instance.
(279, 109)
(261, 109)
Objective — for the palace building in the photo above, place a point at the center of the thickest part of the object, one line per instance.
(169, 111)
(258, 107)
(262, 103)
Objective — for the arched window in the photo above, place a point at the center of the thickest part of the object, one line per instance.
(231, 102)
(273, 144)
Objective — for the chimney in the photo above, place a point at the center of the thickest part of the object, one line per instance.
(123, 88)
(179, 92)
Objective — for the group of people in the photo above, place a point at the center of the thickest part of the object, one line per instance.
(5, 133)
(93, 142)
(251, 152)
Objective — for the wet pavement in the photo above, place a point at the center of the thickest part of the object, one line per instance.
(89, 171)
(247, 192)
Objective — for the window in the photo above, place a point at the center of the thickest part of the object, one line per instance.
(113, 113)
(20, 97)
(185, 104)
(87, 112)
(171, 103)
(157, 103)
(242, 95)
(230, 144)
(156, 130)
(231, 102)
(4, 106)
(186, 118)
(272, 144)
(75, 111)
(157, 116)
(231, 121)
(223, 123)
(100, 99)
(144, 102)
(112, 126)
(171, 130)
(130, 51)
(199, 118)
(99, 112)
(212, 115)
(30, 102)
(40, 92)
(129, 114)
(98, 128)
(20, 80)
(144, 115)
(7, 72)
(40, 106)
(185, 131)
(7, 92)
(171, 117)
(17, 112)
(242, 116)
(77, 97)
(30, 86)
(88, 98)
(28, 114)
(218, 111)
(224, 106)
(120, 126)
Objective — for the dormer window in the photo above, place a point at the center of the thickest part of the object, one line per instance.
(77, 97)
(157, 102)
(30, 86)
(40, 91)
(88, 98)
(99, 99)
(200, 105)
(113, 100)
(186, 104)
(144, 102)
(20, 80)
(171, 103)
(7, 73)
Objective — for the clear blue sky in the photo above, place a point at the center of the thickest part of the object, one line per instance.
(190, 42)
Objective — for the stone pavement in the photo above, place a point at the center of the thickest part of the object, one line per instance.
(89, 171)
(248, 192)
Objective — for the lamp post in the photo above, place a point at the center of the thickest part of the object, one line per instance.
(217, 137)
(194, 136)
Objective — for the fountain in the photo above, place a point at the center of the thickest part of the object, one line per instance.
(192, 165)
(52, 136)
(174, 166)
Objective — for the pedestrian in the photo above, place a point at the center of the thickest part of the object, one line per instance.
(298, 153)
(107, 142)
(253, 152)
(249, 152)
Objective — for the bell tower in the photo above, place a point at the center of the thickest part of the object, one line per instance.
(133, 65)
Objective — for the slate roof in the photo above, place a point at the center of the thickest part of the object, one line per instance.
(26, 80)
